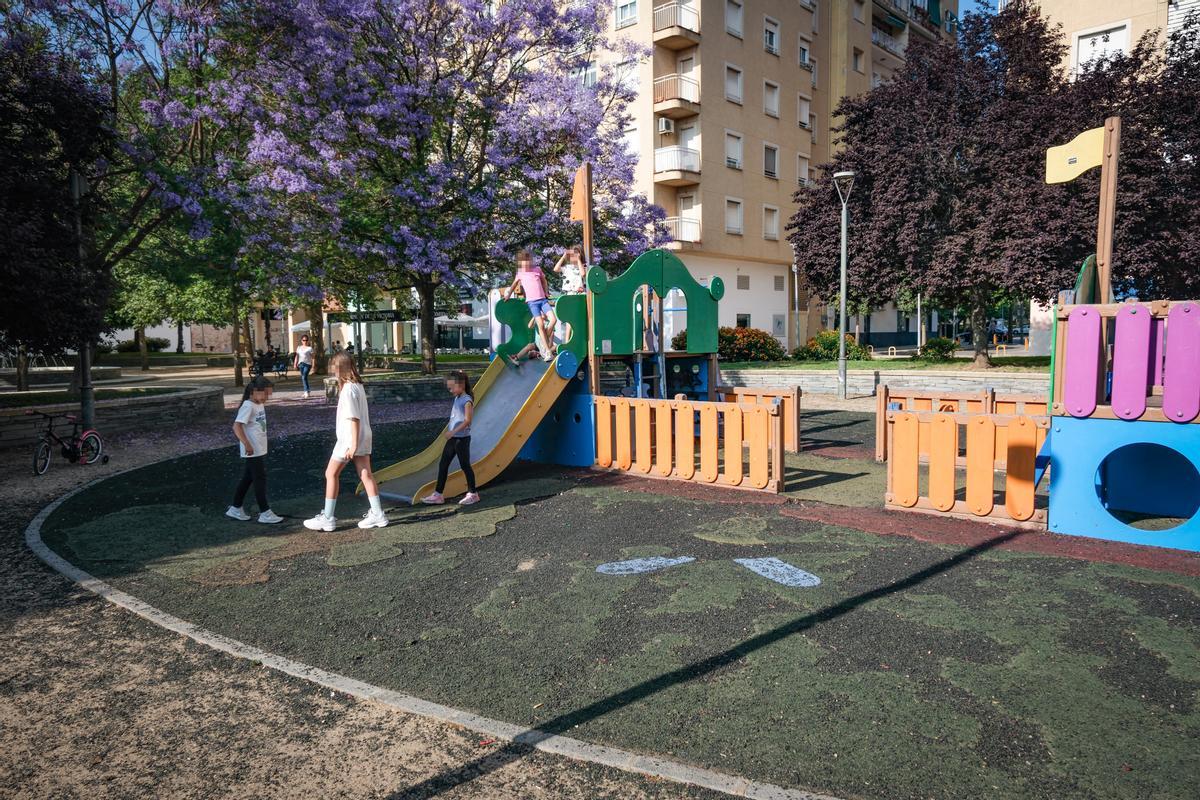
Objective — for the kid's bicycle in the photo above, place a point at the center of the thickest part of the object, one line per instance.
(79, 448)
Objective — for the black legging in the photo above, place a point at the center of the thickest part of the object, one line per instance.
(256, 473)
(461, 447)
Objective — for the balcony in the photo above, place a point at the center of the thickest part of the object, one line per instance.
(676, 26)
(886, 41)
(676, 96)
(903, 6)
(676, 166)
(683, 229)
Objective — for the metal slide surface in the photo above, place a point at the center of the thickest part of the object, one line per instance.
(509, 404)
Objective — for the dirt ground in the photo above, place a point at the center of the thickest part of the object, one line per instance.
(97, 703)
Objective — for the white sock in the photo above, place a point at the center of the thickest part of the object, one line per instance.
(376, 504)
(330, 505)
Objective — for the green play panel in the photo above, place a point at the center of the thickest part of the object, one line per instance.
(912, 670)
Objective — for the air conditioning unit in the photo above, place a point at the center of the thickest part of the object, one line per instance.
(666, 125)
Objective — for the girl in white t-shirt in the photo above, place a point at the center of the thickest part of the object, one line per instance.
(250, 428)
(353, 444)
(304, 362)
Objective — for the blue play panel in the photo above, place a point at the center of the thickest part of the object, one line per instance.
(1102, 468)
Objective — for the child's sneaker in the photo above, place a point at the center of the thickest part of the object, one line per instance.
(234, 512)
(269, 517)
(306, 395)
(373, 519)
(434, 499)
(469, 499)
(320, 522)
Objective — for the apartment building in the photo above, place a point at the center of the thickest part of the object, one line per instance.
(1096, 28)
(734, 108)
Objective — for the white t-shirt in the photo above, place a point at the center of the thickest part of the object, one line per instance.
(304, 354)
(352, 404)
(253, 417)
(572, 277)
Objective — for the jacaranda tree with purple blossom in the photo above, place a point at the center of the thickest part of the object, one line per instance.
(416, 144)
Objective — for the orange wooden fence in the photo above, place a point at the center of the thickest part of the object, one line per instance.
(984, 401)
(979, 444)
(789, 399)
(723, 444)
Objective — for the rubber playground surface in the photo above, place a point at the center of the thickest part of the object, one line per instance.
(813, 641)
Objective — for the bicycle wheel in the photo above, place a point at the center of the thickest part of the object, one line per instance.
(41, 457)
(90, 448)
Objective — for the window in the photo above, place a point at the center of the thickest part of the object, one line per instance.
(588, 75)
(733, 18)
(743, 283)
(804, 53)
(803, 111)
(1105, 43)
(771, 98)
(733, 216)
(733, 150)
(812, 126)
(733, 84)
(627, 76)
(813, 63)
(876, 80)
(629, 139)
(802, 170)
(857, 60)
(770, 223)
(771, 36)
(816, 9)
(743, 320)
(770, 161)
(626, 13)
(780, 283)
(858, 10)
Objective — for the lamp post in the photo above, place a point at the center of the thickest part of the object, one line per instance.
(87, 396)
(843, 181)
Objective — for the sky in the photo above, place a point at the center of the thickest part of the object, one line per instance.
(976, 5)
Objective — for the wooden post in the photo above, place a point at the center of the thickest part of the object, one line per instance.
(1108, 207)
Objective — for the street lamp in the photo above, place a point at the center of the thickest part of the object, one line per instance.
(843, 181)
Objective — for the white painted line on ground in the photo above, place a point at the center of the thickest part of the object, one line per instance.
(577, 749)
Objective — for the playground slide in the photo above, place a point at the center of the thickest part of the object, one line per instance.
(509, 404)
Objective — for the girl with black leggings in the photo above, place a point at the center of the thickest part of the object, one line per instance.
(458, 441)
(250, 428)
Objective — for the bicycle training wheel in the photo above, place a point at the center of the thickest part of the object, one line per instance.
(41, 458)
(90, 448)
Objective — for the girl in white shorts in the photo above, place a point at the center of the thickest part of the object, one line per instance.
(353, 444)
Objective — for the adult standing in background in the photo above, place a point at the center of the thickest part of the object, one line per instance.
(304, 362)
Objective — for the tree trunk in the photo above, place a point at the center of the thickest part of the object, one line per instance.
(143, 350)
(316, 335)
(236, 346)
(979, 330)
(178, 336)
(248, 340)
(426, 291)
(22, 369)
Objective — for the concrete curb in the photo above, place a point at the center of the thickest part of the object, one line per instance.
(577, 749)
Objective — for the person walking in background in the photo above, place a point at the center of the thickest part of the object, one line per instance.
(304, 362)
(353, 429)
(458, 441)
(250, 428)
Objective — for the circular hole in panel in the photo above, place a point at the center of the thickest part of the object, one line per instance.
(1148, 486)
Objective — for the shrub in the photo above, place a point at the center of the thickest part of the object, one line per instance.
(154, 344)
(740, 344)
(824, 347)
(939, 348)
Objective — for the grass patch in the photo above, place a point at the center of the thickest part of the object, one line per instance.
(35, 398)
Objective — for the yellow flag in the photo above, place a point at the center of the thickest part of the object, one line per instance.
(1068, 161)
